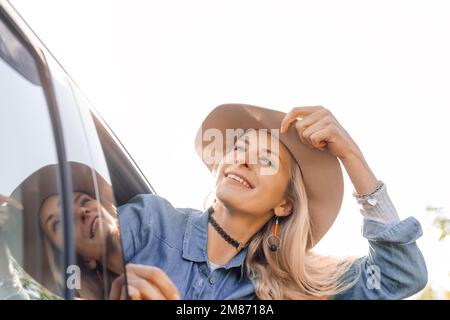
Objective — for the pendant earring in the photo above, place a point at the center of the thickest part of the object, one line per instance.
(274, 240)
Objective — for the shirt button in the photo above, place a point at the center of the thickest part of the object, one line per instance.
(212, 280)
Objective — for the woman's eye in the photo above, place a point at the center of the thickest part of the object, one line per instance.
(266, 161)
(239, 149)
(55, 225)
(85, 201)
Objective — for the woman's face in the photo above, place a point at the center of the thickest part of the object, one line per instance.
(89, 240)
(253, 177)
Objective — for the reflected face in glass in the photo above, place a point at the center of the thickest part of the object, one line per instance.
(90, 241)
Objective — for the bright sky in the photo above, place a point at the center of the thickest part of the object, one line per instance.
(154, 69)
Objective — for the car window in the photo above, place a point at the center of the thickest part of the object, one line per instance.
(28, 269)
(14, 53)
(96, 226)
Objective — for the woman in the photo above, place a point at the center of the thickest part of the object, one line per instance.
(273, 202)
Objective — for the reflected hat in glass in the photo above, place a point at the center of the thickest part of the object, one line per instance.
(321, 171)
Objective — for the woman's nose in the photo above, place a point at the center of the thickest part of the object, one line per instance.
(82, 213)
(243, 158)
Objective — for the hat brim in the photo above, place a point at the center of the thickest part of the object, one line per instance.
(321, 171)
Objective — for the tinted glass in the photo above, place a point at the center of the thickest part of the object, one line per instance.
(28, 267)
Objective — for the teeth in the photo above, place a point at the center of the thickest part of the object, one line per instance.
(239, 179)
(94, 225)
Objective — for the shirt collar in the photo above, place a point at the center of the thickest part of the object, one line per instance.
(196, 240)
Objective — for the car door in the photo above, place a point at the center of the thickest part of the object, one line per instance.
(72, 245)
(59, 139)
(46, 134)
(115, 177)
(27, 141)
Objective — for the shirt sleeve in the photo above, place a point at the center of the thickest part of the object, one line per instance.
(136, 220)
(148, 220)
(377, 206)
(394, 268)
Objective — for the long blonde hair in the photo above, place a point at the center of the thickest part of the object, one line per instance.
(294, 271)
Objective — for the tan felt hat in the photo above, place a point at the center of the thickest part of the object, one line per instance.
(321, 171)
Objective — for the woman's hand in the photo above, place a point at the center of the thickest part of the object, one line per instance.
(319, 129)
(4, 210)
(6, 269)
(144, 283)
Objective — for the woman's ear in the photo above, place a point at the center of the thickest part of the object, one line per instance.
(284, 209)
(91, 264)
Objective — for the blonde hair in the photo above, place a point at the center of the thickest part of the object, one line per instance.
(89, 289)
(294, 271)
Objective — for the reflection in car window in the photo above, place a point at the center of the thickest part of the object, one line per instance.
(27, 142)
(14, 53)
(96, 227)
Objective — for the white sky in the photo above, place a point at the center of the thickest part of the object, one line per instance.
(154, 69)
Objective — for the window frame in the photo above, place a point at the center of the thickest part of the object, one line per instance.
(68, 256)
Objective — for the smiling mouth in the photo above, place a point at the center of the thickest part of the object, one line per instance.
(239, 179)
(94, 226)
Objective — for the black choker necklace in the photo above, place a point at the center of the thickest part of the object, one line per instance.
(238, 245)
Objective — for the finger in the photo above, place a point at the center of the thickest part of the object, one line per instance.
(116, 287)
(297, 112)
(158, 277)
(303, 124)
(4, 200)
(317, 126)
(146, 289)
(308, 121)
(320, 138)
(134, 293)
(123, 294)
(300, 133)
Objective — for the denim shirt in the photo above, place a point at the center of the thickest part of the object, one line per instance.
(175, 240)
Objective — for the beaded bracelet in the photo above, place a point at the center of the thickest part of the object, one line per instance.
(379, 186)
